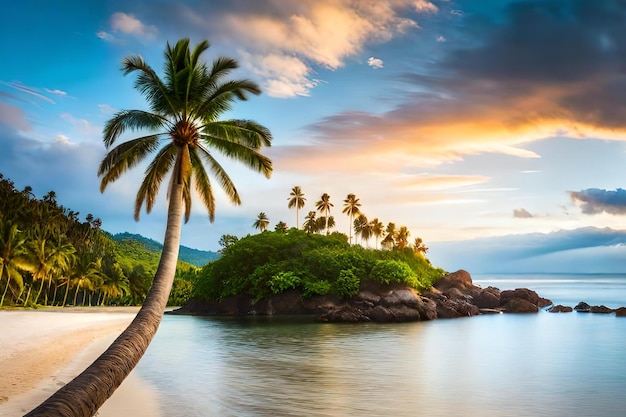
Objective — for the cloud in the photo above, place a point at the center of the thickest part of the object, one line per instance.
(105, 36)
(14, 118)
(375, 63)
(130, 25)
(537, 70)
(56, 92)
(596, 201)
(106, 108)
(315, 33)
(441, 39)
(29, 90)
(457, 12)
(424, 6)
(83, 126)
(559, 251)
(522, 213)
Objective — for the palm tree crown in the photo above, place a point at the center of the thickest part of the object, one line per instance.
(261, 222)
(297, 200)
(324, 205)
(185, 107)
(351, 208)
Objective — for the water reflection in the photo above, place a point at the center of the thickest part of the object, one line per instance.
(496, 365)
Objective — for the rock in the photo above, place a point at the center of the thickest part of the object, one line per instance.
(343, 314)
(560, 309)
(520, 305)
(601, 309)
(582, 307)
(523, 293)
(490, 311)
(489, 298)
(460, 279)
(620, 312)
(454, 293)
(449, 309)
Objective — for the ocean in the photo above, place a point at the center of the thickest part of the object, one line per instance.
(545, 364)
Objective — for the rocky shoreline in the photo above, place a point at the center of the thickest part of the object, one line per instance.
(454, 295)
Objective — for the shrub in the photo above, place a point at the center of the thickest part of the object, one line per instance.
(284, 281)
(347, 284)
(389, 271)
(317, 287)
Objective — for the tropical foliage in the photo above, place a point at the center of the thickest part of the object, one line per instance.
(272, 262)
(49, 257)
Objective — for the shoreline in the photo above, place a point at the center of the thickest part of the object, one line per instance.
(41, 350)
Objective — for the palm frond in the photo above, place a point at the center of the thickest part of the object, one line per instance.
(244, 154)
(125, 156)
(218, 171)
(155, 172)
(221, 97)
(203, 183)
(130, 120)
(149, 85)
(245, 132)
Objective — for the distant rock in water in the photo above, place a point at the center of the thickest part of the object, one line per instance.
(620, 312)
(601, 309)
(454, 295)
(560, 309)
(582, 307)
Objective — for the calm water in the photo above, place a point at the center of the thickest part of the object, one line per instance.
(495, 365)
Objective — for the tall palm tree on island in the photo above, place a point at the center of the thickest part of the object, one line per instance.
(182, 126)
(351, 208)
(261, 222)
(297, 200)
(323, 206)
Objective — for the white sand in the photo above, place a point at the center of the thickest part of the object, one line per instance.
(42, 350)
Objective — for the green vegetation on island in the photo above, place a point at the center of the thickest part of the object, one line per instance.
(272, 262)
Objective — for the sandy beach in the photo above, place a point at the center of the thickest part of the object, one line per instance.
(41, 350)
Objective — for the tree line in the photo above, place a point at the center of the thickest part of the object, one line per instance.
(320, 220)
(50, 257)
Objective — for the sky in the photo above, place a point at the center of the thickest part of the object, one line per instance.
(462, 120)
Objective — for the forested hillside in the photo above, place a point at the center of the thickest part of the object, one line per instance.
(191, 256)
(49, 255)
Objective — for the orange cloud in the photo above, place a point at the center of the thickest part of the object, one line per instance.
(313, 32)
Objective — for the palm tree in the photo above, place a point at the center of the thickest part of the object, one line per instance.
(361, 227)
(419, 247)
(390, 236)
(351, 208)
(377, 229)
(115, 282)
(281, 226)
(261, 222)
(13, 258)
(310, 224)
(296, 200)
(323, 206)
(182, 126)
(402, 237)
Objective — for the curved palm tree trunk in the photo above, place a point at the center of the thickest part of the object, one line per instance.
(82, 396)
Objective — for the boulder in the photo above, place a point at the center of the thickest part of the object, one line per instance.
(460, 279)
(489, 298)
(582, 307)
(601, 309)
(560, 309)
(520, 305)
(449, 309)
(620, 312)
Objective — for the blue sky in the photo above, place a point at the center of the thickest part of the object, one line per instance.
(458, 119)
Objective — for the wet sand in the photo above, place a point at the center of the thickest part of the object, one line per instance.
(41, 350)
